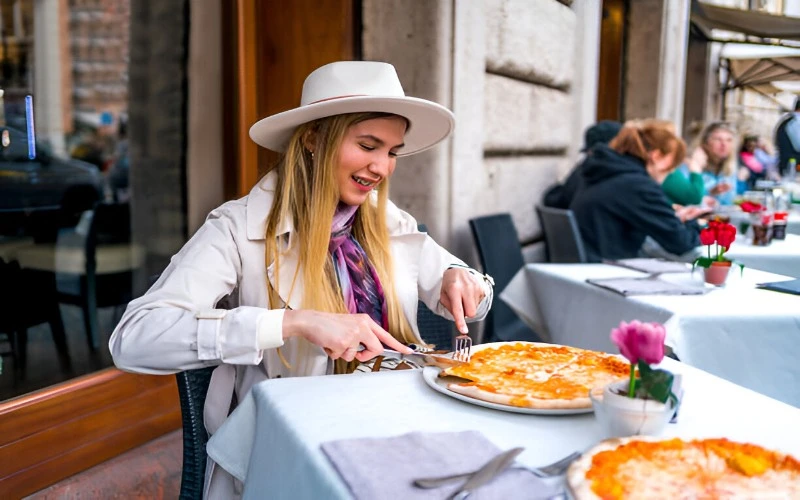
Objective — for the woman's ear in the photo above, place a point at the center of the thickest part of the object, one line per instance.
(310, 140)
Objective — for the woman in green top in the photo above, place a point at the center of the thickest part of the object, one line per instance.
(684, 186)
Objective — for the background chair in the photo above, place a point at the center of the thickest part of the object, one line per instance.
(192, 389)
(501, 257)
(562, 236)
(433, 328)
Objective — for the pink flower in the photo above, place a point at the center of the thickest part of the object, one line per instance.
(640, 341)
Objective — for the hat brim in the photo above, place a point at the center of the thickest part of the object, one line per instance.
(430, 122)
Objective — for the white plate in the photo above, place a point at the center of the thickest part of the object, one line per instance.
(431, 376)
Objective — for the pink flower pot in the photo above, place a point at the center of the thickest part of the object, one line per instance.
(717, 273)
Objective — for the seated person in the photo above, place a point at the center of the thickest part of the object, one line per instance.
(685, 186)
(752, 169)
(621, 202)
(327, 270)
(720, 170)
(560, 195)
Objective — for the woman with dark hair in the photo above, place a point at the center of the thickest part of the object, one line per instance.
(622, 202)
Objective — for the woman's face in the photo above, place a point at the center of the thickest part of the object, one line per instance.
(367, 156)
(719, 144)
(750, 145)
(660, 165)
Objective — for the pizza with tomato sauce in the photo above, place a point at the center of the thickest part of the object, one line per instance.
(535, 375)
(644, 468)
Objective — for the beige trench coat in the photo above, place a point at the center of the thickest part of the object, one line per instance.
(175, 325)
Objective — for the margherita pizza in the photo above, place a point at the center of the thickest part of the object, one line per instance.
(644, 468)
(533, 375)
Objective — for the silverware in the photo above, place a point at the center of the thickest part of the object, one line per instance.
(462, 347)
(550, 470)
(486, 473)
(422, 359)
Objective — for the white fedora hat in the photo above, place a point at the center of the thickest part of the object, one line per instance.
(352, 87)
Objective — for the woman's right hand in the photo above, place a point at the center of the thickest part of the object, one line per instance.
(720, 188)
(341, 335)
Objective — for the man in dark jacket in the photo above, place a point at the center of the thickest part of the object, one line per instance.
(620, 205)
(787, 140)
(560, 195)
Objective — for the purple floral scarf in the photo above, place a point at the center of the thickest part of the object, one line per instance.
(361, 287)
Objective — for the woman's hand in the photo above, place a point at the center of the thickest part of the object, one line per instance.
(460, 295)
(341, 335)
(697, 162)
(720, 188)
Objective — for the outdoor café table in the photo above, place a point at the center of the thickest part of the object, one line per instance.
(745, 335)
(272, 440)
(779, 257)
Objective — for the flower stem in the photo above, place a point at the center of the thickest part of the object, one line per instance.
(633, 381)
(709, 251)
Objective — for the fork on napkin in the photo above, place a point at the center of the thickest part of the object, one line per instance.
(375, 468)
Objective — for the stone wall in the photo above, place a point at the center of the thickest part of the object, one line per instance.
(505, 68)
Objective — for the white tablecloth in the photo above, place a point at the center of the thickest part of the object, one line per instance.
(745, 335)
(272, 441)
(780, 257)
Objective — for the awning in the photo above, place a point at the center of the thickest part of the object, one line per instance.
(763, 68)
(751, 23)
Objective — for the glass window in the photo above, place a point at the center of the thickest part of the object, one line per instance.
(66, 254)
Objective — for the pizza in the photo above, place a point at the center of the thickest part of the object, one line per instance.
(535, 375)
(644, 468)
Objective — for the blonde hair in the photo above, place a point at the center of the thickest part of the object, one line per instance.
(307, 193)
(639, 138)
(728, 165)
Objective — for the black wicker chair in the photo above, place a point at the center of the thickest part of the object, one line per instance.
(433, 328)
(192, 389)
(501, 257)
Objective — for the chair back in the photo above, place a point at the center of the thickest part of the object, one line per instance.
(501, 257)
(192, 389)
(562, 236)
(433, 329)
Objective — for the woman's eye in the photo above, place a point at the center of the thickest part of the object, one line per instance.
(392, 154)
(367, 148)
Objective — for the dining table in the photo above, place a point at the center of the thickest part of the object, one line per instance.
(780, 256)
(744, 334)
(273, 441)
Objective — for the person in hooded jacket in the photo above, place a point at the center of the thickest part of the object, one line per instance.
(621, 202)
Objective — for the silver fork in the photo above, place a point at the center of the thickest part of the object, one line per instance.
(462, 345)
(554, 469)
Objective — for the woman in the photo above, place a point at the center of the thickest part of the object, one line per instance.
(622, 201)
(323, 266)
(752, 168)
(719, 173)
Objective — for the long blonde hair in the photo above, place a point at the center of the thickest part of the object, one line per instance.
(728, 165)
(307, 192)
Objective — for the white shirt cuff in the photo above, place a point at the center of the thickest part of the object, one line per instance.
(269, 329)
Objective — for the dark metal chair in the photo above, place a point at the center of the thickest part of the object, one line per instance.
(562, 235)
(433, 328)
(501, 257)
(192, 389)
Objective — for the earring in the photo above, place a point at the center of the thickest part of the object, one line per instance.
(312, 155)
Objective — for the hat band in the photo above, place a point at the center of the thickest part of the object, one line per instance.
(334, 98)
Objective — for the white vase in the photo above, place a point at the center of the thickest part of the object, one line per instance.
(622, 416)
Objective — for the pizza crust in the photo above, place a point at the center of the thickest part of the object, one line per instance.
(521, 401)
(579, 487)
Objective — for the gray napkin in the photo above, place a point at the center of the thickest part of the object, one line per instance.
(652, 266)
(645, 286)
(376, 468)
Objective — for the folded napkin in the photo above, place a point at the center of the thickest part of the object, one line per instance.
(646, 286)
(652, 266)
(376, 468)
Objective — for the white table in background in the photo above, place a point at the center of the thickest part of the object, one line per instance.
(742, 334)
(779, 257)
(273, 439)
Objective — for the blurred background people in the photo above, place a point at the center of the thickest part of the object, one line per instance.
(720, 170)
(685, 185)
(752, 168)
(561, 195)
(787, 140)
(621, 201)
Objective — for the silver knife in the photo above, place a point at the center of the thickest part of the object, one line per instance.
(486, 473)
(422, 359)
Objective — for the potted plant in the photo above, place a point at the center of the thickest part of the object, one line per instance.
(643, 404)
(715, 269)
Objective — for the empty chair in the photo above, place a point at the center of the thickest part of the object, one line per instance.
(562, 236)
(501, 257)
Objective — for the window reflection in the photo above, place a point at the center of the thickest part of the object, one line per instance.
(66, 256)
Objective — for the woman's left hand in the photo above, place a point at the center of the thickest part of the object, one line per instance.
(460, 295)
